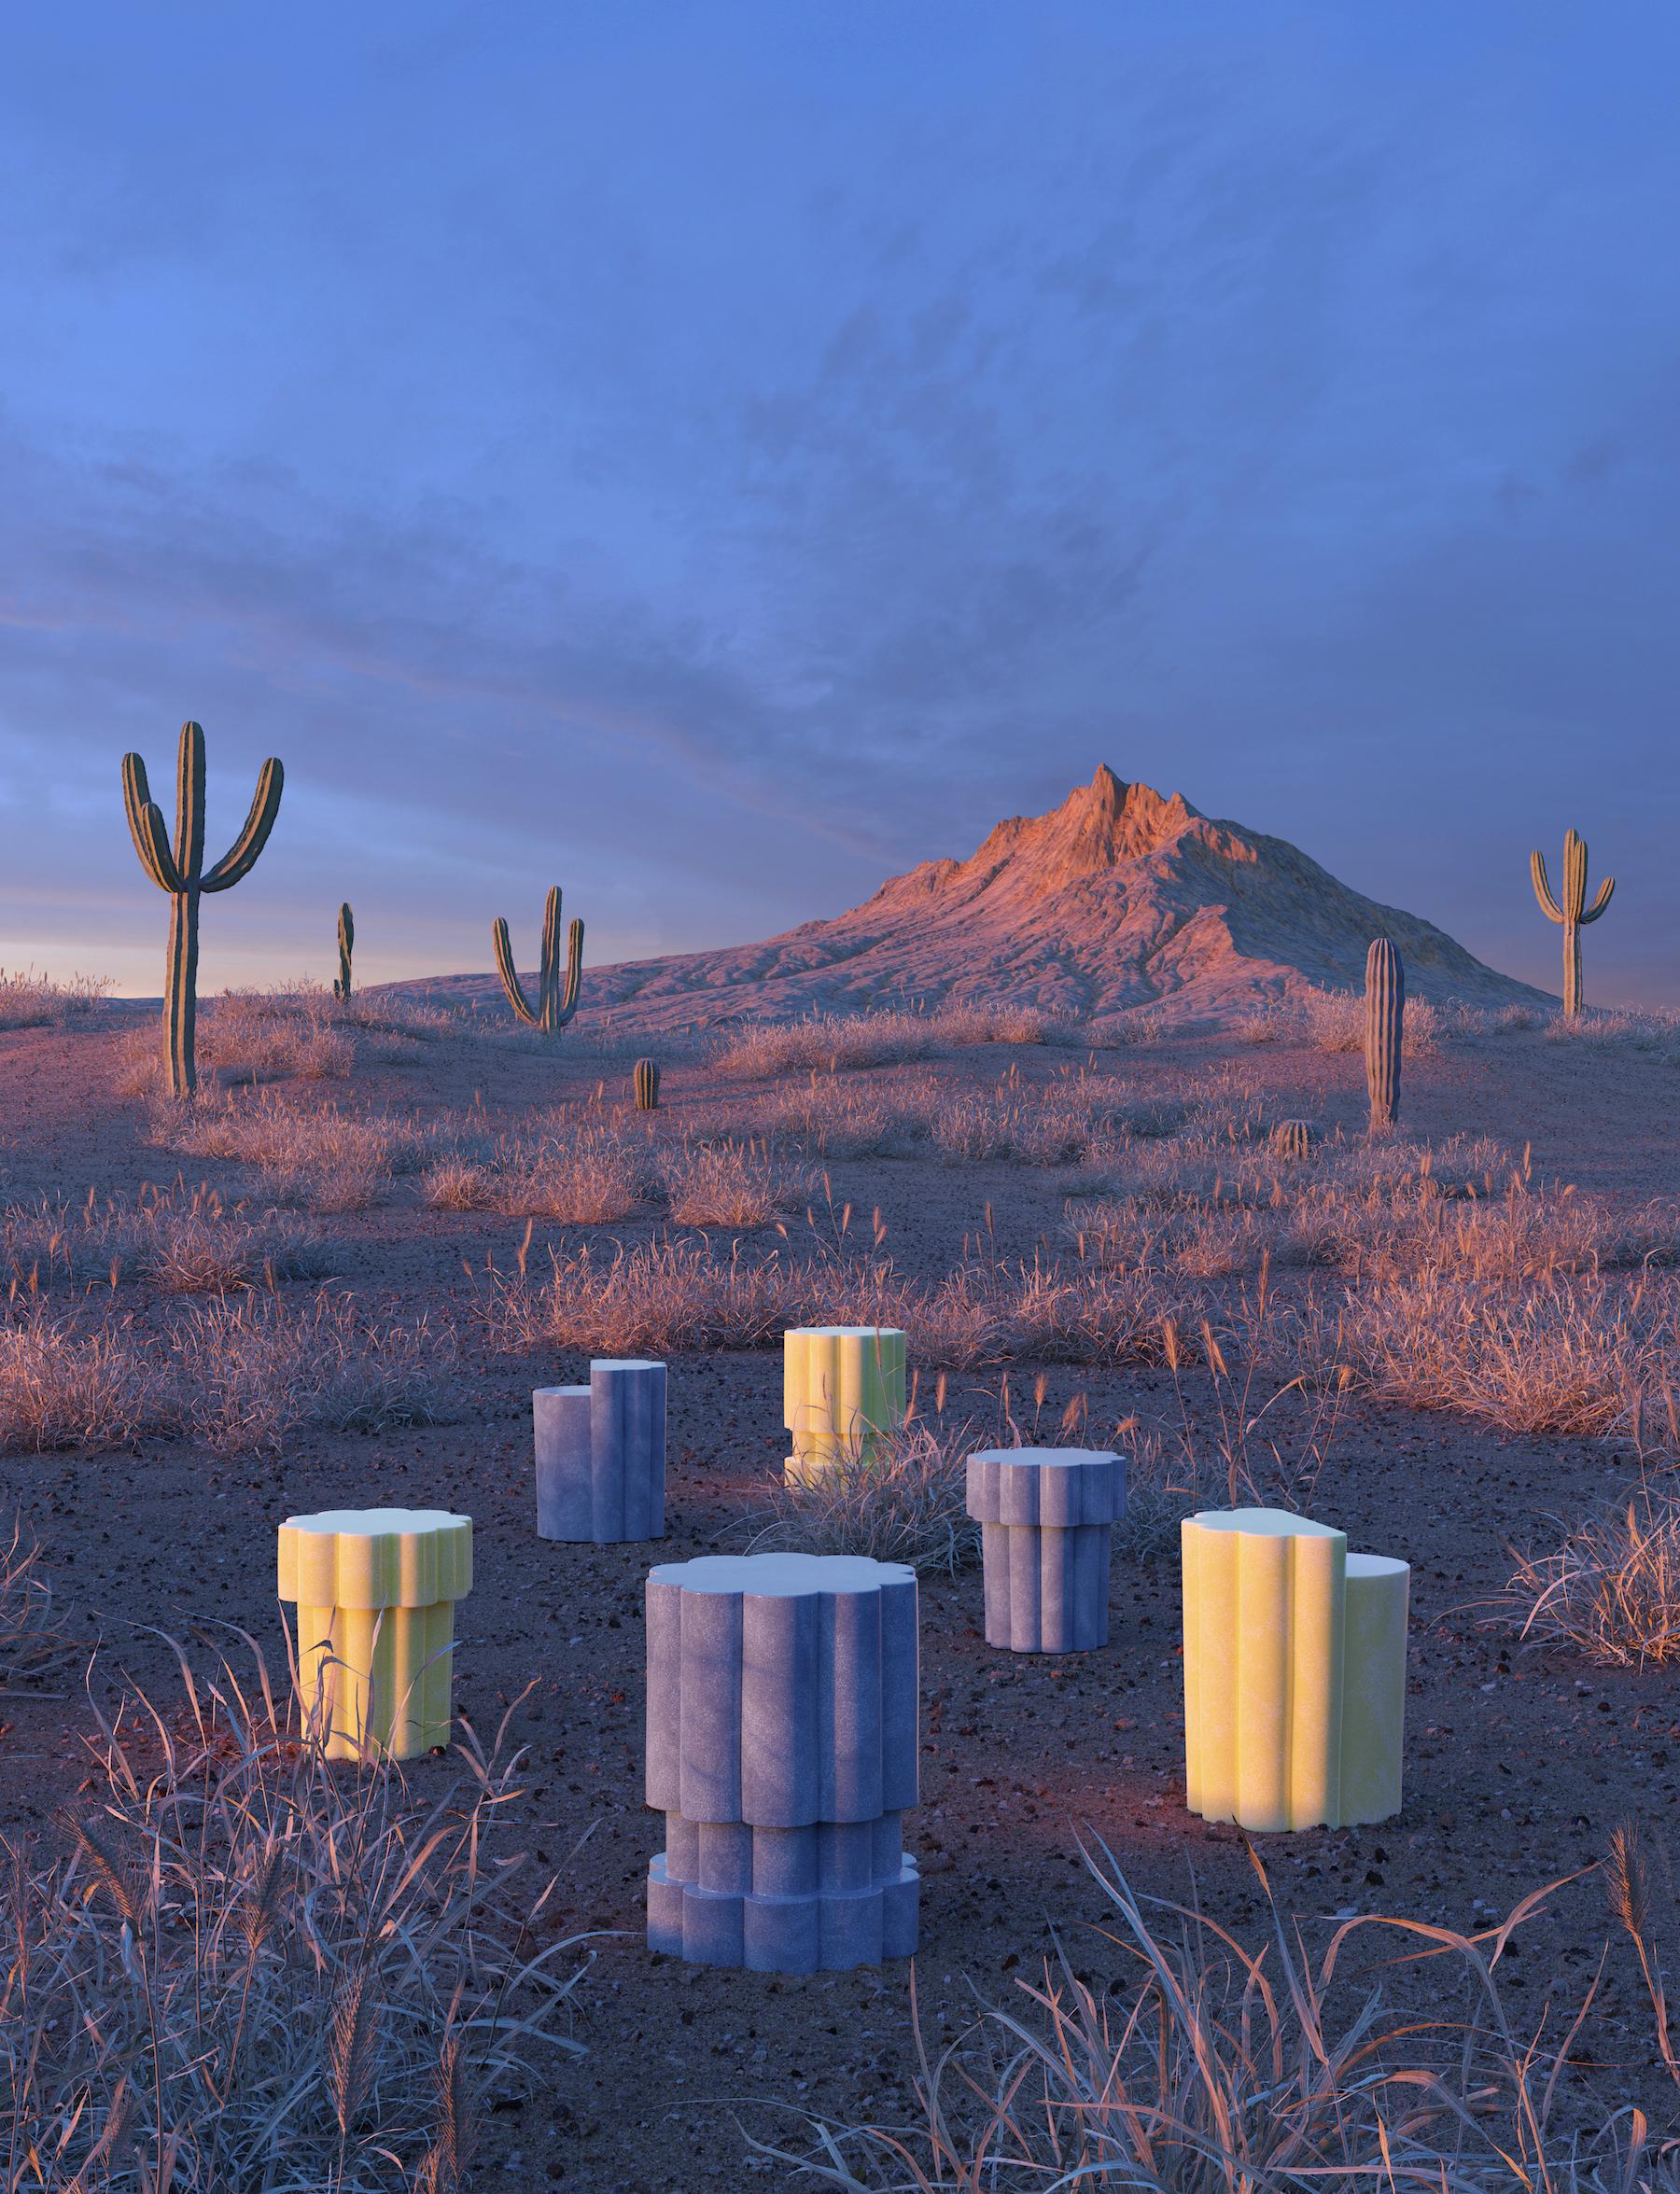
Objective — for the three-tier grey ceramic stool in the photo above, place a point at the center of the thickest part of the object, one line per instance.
(1046, 1517)
(782, 1751)
(601, 1455)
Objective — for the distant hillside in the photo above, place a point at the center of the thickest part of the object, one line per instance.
(1117, 899)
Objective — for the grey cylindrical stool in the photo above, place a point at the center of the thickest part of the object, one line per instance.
(782, 1750)
(1046, 1519)
(601, 1455)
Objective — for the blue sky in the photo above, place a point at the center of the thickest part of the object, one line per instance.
(717, 454)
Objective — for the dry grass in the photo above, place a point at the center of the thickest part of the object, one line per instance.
(248, 1374)
(835, 1041)
(321, 1157)
(1198, 2065)
(33, 1642)
(238, 1377)
(730, 1183)
(908, 1502)
(187, 1241)
(254, 1969)
(1612, 1589)
(28, 1001)
(659, 1298)
(588, 1175)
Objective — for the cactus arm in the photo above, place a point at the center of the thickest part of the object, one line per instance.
(567, 1003)
(241, 856)
(1602, 901)
(146, 825)
(505, 969)
(1542, 891)
(347, 946)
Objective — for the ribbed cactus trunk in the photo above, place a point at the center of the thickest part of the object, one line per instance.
(179, 870)
(647, 1086)
(1385, 1031)
(1572, 912)
(347, 946)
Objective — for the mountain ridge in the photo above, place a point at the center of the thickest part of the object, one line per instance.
(1119, 898)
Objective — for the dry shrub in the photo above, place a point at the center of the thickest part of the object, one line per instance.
(1199, 2066)
(730, 1183)
(28, 1001)
(655, 1299)
(255, 1969)
(1555, 1355)
(588, 1177)
(459, 1184)
(834, 1041)
(186, 1239)
(250, 1373)
(328, 1160)
(1656, 1033)
(239, 1376)
(64, 1386)
(1612, 1589)
(833, 1118)
(907, 1503)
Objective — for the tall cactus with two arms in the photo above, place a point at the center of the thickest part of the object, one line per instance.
(1385, 1031)
(179, 870)
(1572, 912)
(555, 1005)
(346, 942)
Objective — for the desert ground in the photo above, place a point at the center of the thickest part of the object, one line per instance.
(334, 1279)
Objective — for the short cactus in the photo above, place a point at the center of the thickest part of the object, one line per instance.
(1385, 1031)
(347, 942)
(1572, 912)
(647, 1086)
(554, 1005)
(179, 870)
(1293, 1138)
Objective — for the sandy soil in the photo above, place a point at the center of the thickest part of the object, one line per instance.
(1519, 1763)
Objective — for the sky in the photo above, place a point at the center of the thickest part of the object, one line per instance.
(716, 455)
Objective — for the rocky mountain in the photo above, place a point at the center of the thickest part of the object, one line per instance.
(1117, 899)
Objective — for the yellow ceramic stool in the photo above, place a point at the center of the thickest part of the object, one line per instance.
(843, 1386)
(1295, 1672)
(375, 1590)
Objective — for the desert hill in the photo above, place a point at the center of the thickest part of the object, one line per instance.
(1117, 899)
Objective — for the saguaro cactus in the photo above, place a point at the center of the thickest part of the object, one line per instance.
(554, 1005)
(180, 871)
(1385, 1029)
(647, 1086)
(1572, 912)
(347, 946)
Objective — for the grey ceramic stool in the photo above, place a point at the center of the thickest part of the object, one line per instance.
(601, 1455)
(1046, 1517)
(782, 1751)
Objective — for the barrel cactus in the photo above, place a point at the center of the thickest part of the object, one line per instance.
(179, 870)
(1385, 1031)
(346, 942)
(1572, 912)
(647, 1086)
(1293, 1138)
(555, 1005)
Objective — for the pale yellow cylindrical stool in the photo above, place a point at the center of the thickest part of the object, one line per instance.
(843, 1387)
(1295, 1672)
(375, 1590)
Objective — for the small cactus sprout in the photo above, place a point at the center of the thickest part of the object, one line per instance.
(1385, 1031)
(179, 870)
(1572, 912)
(554, 1005)
(341, 989)
(1293, 1138)
(647, 1086)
